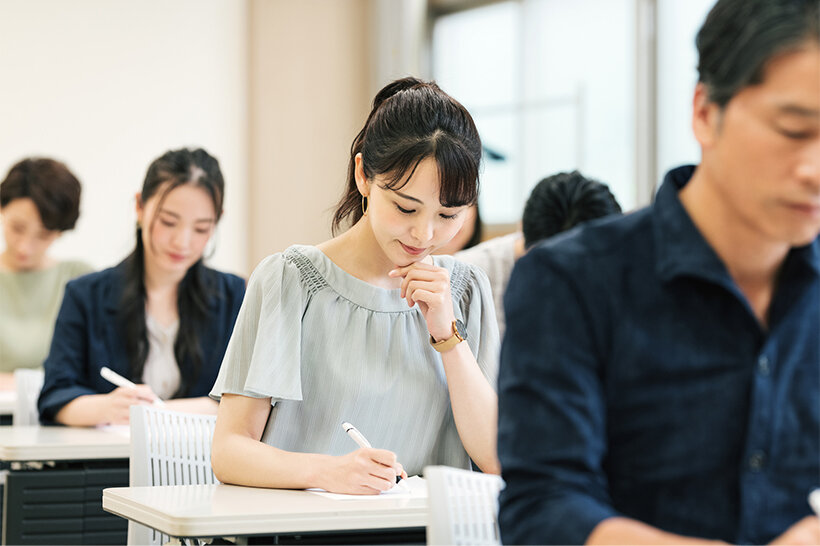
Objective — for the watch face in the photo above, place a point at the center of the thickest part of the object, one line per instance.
(462, 329)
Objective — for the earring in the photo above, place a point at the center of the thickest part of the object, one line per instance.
(364, 205)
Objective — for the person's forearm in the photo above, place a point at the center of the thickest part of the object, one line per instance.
(475, 407)
(83, 411)
(629, 531)
(240, 460)
(201, 404)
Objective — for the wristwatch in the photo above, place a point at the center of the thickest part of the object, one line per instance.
(459, 335)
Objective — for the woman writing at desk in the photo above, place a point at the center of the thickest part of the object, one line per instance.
(344, 331)
(160, 318)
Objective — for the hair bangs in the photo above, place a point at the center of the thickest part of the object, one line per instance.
(458, 173)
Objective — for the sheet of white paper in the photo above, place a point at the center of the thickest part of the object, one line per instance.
(119, 430)
(413, 487)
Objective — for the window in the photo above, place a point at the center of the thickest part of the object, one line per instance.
(551, 89)
(678, 23)
(554, 85)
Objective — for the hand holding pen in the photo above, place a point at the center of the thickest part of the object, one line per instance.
(113, 377)
(366, 471)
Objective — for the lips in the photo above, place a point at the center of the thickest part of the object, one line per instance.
(810, 209)
(413, 251)
(176, 257)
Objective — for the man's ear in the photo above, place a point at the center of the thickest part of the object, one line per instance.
(706, 117)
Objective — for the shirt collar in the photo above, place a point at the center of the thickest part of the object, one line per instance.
(809, 255)
(682, 250)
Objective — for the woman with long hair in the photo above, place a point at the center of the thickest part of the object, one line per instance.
(160, 318)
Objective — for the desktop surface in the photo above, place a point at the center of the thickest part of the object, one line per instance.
(58, 443)
(227, 510)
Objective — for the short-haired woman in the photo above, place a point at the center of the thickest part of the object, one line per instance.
(39, 201)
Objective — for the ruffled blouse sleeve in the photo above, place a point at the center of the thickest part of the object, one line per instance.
(264, 353)
(474, 300)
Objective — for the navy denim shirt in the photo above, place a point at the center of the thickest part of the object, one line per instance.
(636, 381)
(87, 336)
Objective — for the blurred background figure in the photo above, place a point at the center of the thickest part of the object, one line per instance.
(39, 200)
(160, 318)
(557, 203)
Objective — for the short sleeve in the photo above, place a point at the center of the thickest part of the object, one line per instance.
(264, 353)
(475, 303)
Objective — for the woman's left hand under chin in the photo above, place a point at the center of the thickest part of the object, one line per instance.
(429, 286)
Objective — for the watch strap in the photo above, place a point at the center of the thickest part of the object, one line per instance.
(446, 344)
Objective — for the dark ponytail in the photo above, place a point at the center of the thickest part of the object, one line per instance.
(410, 121)
(173, 169)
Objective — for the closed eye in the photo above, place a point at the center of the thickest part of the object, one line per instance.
(796, 135)
(405, 211)
(449, 216)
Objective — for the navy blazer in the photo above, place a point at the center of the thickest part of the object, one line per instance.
(87, 337)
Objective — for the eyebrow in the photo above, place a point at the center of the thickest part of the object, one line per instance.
(400, 194)
(177, 216)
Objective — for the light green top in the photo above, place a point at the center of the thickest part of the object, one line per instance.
(327, 347)
(29, 302)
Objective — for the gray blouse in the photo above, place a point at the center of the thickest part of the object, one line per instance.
(327, 347)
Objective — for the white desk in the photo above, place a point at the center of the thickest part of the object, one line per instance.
(227, 511)
(37, 443)
(58, 499)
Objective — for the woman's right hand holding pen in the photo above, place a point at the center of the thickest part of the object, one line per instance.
(115, 407)
(365, 471)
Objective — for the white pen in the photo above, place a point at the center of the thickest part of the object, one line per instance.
(113, 377)
(814, 501)
(360, 440)
(354, 433)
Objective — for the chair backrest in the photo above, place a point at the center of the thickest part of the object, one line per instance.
(463, 506)
(27, 383)
(168, 448)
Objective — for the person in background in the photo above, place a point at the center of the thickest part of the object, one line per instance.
(660, 375)
(469, 235)
(368, 327)
(160, 318)
(39, 201)
(557, 203)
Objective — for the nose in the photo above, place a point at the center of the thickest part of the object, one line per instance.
(422, 231)
(24, 245)
(808, 169)
(182, 238)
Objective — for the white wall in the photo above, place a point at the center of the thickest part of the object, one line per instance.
(109, 85)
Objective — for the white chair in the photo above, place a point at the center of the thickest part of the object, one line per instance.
(168, 448)
(27, 383)
(463, 506)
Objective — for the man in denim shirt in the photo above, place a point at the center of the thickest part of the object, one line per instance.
(660, 376)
